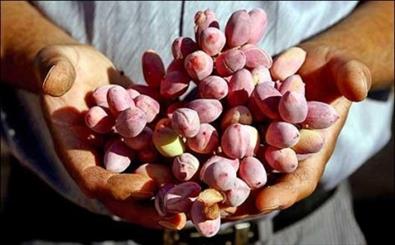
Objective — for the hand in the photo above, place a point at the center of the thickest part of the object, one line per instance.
(69, 74)
(333, 77)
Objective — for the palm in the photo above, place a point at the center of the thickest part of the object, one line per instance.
(330, 77)
(78, 147)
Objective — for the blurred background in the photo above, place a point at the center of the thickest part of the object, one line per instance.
(37, 213)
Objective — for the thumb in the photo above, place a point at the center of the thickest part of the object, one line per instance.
(55, 71)
(352, 77)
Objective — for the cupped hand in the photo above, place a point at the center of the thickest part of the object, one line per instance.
(331, 76)
(68, 74)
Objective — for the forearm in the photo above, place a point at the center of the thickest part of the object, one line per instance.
(367, 34)
(24, 32)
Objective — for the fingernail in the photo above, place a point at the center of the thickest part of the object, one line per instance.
(59, 79)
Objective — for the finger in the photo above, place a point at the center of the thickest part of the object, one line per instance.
(125, 186)
(330, 73)
(145, 214)
(97, 182)
(353, 78)
(55, 70)
(291, 188)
